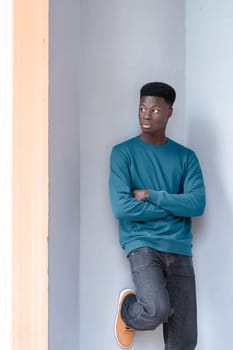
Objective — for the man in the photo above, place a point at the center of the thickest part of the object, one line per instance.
(156, 186)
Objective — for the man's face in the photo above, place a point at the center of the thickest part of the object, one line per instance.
(153, 114)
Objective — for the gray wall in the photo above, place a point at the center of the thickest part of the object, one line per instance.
(124, 44)
(64, 174)
(209, 126)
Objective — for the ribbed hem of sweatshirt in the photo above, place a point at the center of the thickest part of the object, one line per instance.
(164, 246)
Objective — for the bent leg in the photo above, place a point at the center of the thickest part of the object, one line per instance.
(151, 305)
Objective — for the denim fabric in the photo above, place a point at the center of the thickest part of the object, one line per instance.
(165, 293)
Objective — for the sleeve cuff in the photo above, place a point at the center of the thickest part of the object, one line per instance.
(152, 196)
(155, 197)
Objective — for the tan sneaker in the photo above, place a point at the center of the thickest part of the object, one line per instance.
(124, 334)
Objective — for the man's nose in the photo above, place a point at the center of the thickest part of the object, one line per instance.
(147, 115)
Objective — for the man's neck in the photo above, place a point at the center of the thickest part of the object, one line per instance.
(155, 139)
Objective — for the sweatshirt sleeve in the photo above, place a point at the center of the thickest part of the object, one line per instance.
(124, 205)
(191, 202)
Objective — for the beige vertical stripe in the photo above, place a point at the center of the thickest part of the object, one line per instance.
(30, 188)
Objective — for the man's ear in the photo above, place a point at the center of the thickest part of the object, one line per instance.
(170, 111)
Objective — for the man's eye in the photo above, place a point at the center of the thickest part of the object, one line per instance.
(155, 111)
(142, 109)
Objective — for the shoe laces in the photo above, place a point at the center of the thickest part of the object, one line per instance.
(129, 330)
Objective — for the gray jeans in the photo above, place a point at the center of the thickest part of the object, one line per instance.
(165, 293)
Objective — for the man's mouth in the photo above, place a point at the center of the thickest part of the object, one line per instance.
(146, 126)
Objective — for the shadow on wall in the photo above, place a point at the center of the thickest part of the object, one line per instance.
(213, 241)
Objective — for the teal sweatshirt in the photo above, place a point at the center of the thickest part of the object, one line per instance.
(172, 174)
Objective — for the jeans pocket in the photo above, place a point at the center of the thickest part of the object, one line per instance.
(182, 266)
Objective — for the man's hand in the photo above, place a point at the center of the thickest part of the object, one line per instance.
(140, 195)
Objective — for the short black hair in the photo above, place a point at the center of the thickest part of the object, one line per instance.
(159, 89)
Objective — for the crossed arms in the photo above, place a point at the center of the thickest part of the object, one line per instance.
(149, 204)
